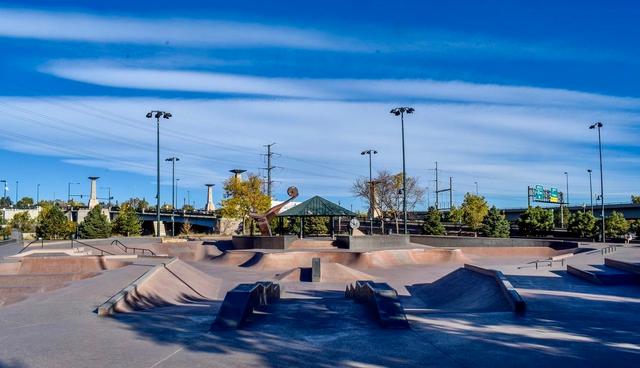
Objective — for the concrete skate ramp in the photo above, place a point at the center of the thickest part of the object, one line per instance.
(330, 272)
(514, 251)
(233, 258)
(48, 265)
(171, 283)
(188, 251)
(30, 275)
(373, 259)
(462, 291)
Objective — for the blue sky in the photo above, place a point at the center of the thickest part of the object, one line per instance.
(503, 91)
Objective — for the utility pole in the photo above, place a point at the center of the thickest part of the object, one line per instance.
(269, 167)
(599, 125)
(16, 192)
(37, 194)
(371, 189)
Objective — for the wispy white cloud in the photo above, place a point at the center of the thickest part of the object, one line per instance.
(320, 141)
(68, 26)
(106, 74)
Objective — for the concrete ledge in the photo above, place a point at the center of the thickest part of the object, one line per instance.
(516, 302)
(622, 265)
(583, 274)
(462, 242)
(263, 242)
(371, 242)
(240, 303)
(107, 308)
(383, 299)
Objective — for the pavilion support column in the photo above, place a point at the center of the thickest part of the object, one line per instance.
(301, 227)
(333, 232)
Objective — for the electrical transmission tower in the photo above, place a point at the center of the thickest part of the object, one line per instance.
(269, 156)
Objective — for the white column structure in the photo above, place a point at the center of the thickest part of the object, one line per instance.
(210, 205)
(93, 197)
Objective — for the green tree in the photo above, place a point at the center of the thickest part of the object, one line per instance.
(616, 225)
(634, 226)
(635, 199)
(582, 224)
(316, 225)
(5, 202)
(53, 223)
(188, 208)
(137, 204)
(432, 224)
(244, 197)
(474, 209)
(23, 222)
(95, 225)
(536, 221)
(127, 223)
(25, 202)
(455, 216)
(495, 224)
(560, 219)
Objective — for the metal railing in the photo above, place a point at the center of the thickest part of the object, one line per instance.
(41, 240)
(102, 251)
(126, 249)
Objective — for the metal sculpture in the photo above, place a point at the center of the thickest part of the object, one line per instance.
(263, 219)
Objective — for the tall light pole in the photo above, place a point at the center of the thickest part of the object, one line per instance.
(400, 111)
(5, 188)
(17, 183)
(599, 126)
(476, 183)
(371, 194)
(158, 114)
(567, 177)
(176, 196)
(37, 194)
(173, 192)
(590, 190)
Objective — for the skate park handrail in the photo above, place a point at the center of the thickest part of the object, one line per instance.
(384, 301)
(102, 251)
(120, 244)
(41, 240)
(240, 302)
(516, 302)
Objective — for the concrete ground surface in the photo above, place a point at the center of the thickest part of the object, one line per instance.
(457, 318)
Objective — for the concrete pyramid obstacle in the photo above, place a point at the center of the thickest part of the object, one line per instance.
(171, 283)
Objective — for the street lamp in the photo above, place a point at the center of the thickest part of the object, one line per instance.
(400, 111)
(173, 192)
(158, 114)
(371, 198)
(17, 193)
(5, 188)
(590, 190)
(567, 177)
(476, 183)
(37, 194)
(599, 126)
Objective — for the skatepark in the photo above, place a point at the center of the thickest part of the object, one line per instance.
(200, 303)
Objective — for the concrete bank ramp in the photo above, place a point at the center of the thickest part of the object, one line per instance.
(23, 277)
(462, 290)
(330, 272)
(279, 261)
(171, 283)
(607, 274)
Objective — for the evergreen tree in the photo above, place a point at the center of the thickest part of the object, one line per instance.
(495, 224)
(127, 223)
(432, 224)
(582, 224)
(316, 225)
(536, 221)
(616, 225)
(53, 223)
(95, 225)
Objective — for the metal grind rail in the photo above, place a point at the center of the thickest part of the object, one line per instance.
(126, 249)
